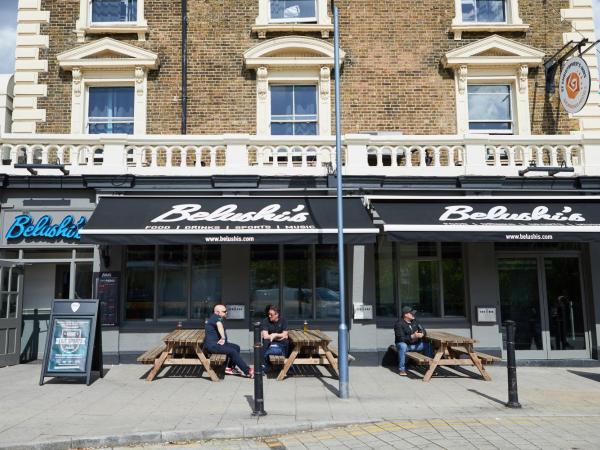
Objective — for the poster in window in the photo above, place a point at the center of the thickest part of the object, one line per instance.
(70, 345)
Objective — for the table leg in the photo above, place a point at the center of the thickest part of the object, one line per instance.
(332, 360)
(288, 363)
(433, 365)
(158, 363)
(486, 376)
(206, 364)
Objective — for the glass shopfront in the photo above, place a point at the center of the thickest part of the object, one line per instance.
(428, 276)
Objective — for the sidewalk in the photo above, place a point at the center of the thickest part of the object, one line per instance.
(122, 408)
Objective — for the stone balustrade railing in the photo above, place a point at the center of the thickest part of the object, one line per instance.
(383, 155)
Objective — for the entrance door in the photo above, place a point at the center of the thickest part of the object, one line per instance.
(543, 295)
(11, 304)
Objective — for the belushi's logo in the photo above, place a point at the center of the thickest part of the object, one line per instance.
(457, 213)
(228, 213)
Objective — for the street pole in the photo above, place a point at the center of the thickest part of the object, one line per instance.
(342, 329)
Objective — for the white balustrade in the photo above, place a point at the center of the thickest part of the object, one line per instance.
(384, 155)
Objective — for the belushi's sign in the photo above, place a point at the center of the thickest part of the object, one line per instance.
(222, 220)
(491, 220)
(46, 228)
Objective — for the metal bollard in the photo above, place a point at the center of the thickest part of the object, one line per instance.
(511, 365)
(259, 401)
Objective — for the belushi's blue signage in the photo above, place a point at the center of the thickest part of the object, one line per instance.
(24, 226)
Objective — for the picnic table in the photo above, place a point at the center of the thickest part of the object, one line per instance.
(182, 347)
(448, 349)
(308, 347)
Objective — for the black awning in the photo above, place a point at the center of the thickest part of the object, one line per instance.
(226, 220)
(575, 219)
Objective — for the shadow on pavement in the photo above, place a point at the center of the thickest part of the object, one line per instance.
(487, 396)
(588, 375)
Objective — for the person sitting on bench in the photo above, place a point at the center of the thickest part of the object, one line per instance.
(274, 335)
(409, 337)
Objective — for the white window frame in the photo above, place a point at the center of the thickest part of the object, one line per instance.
(84, 24)
(511, 97)
(319, 24)
(127, 66)
(89, 85)
(513, 22)
(314, 67)
(293, 109)
(296, 20)
(473, 64)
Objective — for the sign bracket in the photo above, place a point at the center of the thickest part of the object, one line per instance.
(556, 60)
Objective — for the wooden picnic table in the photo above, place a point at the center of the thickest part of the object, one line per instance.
(449, 347)
(309, 347)
(184, 347)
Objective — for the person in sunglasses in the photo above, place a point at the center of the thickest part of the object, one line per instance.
(274, 335)
(215, 341)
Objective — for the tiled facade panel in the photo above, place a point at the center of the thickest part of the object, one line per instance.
(392, 78)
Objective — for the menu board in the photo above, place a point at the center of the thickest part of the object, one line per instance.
(107, 291)
(70, 345)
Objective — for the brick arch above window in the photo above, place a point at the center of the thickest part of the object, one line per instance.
(494, 61)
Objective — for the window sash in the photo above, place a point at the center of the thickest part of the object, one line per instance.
(291, 19)
(295, 118)
(111, 103)
(128, 13)
(476, 7)
(501, 96)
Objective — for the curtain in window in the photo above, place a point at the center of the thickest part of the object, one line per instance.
(484, 10)
(293, 10)
(111, 110)
(294, 110)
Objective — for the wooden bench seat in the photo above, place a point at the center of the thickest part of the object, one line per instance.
(484, 357)
(150, 356)
(277, 360)
(217, 359)
(334, 352)
(419, 358)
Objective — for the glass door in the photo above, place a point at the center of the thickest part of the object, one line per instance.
(11, 307)
(566, 334)
(543, 295)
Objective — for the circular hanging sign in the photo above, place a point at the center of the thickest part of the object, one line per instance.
(574, 84)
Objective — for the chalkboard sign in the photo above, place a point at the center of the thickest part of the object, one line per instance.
(74, 343)
(107, 291)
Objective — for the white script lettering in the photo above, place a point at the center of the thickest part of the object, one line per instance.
(463, 212)
(228, 213)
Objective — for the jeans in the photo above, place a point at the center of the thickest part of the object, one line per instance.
(233, 355)
(273, 348)
(403, 347)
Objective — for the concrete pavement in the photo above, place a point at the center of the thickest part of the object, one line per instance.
(122, 408)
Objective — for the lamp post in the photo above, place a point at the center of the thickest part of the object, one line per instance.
(342, 328)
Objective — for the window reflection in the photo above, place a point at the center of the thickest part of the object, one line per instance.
(206, 280)
(297, 293)
(327, 278)
(139, 294)
(172, 281)
(264, 278)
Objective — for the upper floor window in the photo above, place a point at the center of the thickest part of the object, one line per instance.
(293, 10)
(114, 11)
(484, 10)
(490, 108)
(294, 110)
(110, 110)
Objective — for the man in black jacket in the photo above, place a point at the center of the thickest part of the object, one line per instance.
(409, 337)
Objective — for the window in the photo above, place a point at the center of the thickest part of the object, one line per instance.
(180, 282)
(483, 10)
(110, 110)
(301, 279)
(111, 17)
(114, 11)
(293, 10)
(276, 16)
(428, 276)
(489, 109)
(293, 110)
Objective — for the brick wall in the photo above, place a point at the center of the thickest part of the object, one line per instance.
(392, 78)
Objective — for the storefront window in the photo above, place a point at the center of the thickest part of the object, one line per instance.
(309, 288)
(264, 278)
(206, 280)
(172, 281)
(139, 296)
(298, 293)
(188, 281)
(327, 278)
(62, 281)
(83, 280)
(428, 276)
(385, 286)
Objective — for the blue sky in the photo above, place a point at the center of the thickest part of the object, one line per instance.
(8, 26)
